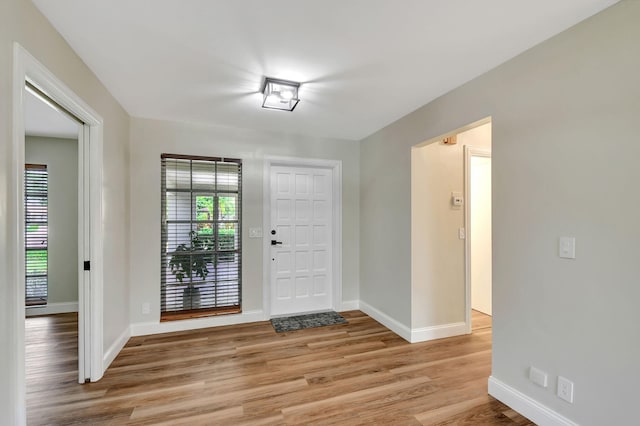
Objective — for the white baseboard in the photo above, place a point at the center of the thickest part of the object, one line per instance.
(438, 332)
(525, 405)
(145, 328)
(52, 308)
(350, 305)
(384, 319)
(115, 348)
(413, 335)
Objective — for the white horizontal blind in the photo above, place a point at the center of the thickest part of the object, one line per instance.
(201, 234)
(36, 213)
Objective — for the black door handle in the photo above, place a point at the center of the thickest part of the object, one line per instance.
(274, 242)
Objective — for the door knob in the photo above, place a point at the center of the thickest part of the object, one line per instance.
(274, 242)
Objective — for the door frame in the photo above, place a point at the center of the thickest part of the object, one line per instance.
(469, 151)
(90, 158)
(336, 278)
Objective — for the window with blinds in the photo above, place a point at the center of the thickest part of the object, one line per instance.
(36, 226)
(201, 236)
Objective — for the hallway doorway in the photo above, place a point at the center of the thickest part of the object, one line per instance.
(478, 252)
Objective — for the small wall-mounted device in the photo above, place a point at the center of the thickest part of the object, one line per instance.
(456, 199)
(451, 140)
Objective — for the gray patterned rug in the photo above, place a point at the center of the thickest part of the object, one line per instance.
(299, 322)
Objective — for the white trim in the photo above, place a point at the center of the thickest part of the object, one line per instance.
(116, 347)
(469, 151)
(413, 335)
(438, 332)
(52, 309)
(336, 168)
(145, 328)
(27, 68)
(349, 305)
(384, 319)
(525, 405)
(17, 381)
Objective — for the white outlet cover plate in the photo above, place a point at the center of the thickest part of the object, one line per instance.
(565, 389)
(538, 377)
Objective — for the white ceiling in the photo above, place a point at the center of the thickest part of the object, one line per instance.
(40, 119)
(362, 63)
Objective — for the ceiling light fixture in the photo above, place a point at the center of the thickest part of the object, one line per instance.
(280, 94)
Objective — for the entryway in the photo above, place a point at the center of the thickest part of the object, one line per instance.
(478, 225)
(443, 236)
(302, 236)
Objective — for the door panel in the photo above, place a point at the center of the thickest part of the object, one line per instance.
(301, 203)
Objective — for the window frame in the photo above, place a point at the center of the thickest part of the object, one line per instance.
(221, 285)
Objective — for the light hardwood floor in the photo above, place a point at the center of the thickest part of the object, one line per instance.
(358, 373)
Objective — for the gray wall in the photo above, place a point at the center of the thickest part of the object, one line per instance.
(21, 22)
(61, 158)
(565, 149)
(150, 138)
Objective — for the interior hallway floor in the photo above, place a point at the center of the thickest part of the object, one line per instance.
(358, 373)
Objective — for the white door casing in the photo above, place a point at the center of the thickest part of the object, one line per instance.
(90, 347)
(301, 259)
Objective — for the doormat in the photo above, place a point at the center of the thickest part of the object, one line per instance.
(300, 322)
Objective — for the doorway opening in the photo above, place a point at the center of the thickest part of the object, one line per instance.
(478, 253)
(53, 255)
(441, 233)
(29, 71)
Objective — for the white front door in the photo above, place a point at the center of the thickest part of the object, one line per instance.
(301, 239)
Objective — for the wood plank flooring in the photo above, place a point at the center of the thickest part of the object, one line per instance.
(353, 374)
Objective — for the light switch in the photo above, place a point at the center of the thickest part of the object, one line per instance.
(255, 232)
(567, 247)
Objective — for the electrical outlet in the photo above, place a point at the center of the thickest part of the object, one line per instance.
(461, 233)
(565, 389)
(146, 308)
(538, 377)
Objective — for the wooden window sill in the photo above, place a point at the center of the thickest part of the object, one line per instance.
(199, 313)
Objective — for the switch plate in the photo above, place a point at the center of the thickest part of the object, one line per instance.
(567, 248)
(255, 232)
(565, 389)
(538, 377)
(146, 308)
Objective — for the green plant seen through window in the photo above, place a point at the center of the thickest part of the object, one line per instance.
(226, 231)
(36, 262)
(205, 212)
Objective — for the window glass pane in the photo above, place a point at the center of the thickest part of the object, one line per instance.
(227, 207)
(178, 206)
(178, 174)
(204, 175)
(227, 236)
(227, 177)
